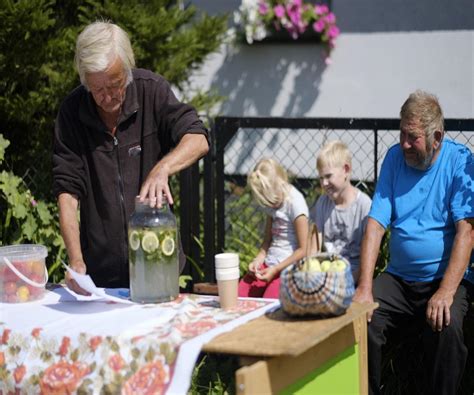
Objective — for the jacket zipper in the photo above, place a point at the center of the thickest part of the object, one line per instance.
(122, 204)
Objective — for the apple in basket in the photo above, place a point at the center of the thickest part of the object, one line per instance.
(339, 265)
(325, 266)
(312, 265)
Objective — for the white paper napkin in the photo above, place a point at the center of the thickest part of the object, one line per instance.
(87, 284)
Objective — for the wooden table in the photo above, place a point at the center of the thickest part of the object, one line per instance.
(289, 356)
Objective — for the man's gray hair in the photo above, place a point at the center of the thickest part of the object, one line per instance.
(99, 45)
(425, 108)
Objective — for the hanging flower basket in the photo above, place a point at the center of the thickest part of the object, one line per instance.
(287, 20)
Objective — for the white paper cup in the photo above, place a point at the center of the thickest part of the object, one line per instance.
(227, 276)
(228, 292)
(226, 260)
(231, 273)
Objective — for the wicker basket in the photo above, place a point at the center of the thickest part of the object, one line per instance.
(326, 294)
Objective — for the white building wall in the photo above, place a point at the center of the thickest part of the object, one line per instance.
(387, 50)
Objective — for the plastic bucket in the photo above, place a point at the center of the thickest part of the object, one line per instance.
(23, 273)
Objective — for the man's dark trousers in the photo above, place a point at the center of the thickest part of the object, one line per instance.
(402, 305)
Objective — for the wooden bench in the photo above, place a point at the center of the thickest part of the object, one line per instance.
(279, 354)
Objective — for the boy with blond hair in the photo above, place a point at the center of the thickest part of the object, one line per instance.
(341, 212)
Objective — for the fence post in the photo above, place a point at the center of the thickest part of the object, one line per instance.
(210, 207)
(189, 215)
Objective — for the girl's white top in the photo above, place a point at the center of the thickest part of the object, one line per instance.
(284, 240)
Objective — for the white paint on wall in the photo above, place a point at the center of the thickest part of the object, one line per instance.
(371, 74)
(386, 51)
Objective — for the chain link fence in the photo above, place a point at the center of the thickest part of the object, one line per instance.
(294, 143)
(37, 175)
(228, 215)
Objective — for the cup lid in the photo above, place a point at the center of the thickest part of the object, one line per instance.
(226, 260)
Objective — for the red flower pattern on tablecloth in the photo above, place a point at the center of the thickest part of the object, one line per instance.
(5, 336)
(61, 369)
(95, 342)
(19, 373)
(116, 362)
(62, 378)
(63, 349)
(149, 380)
(192, 329)
(247, 305)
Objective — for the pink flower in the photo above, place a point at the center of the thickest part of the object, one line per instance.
(263, 8)
(279, 11)
(318, 9)
(330, 18)
(328, 60)
(324, 9)
(333, 32)
(318, 26)
(34, 203)
(294, 14)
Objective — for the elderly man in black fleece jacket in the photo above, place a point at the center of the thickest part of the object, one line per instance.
(120, 134)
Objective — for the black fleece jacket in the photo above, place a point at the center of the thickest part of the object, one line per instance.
(106, 172)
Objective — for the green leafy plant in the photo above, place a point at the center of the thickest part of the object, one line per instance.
(167, 38)
(246, 224)
(23, 219)
(214, 374)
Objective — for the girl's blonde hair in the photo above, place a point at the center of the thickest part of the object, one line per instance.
(334, 154)
(268, 182)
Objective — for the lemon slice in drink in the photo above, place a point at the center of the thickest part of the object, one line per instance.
(150, 242)
(167, 246)
(134, 240)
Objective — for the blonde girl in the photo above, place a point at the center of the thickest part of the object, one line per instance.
(285, 231)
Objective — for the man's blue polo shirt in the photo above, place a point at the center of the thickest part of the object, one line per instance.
(422, 207)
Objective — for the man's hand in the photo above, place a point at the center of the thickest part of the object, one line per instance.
(156, 185)
(190, 148)
(267, 274)
(437, 311)
(364, 295)
(79, 267)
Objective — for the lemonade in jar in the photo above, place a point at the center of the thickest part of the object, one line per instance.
(153, 253)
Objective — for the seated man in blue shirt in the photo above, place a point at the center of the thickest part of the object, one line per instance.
(425, 195)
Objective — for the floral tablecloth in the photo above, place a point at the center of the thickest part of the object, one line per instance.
(61, 345)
